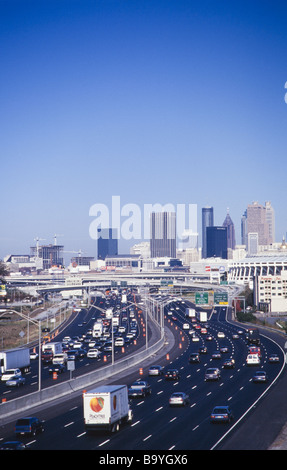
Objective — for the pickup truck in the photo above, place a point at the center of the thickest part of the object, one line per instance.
(139, 388)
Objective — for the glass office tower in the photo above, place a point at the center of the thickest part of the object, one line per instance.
(216, 242)
(207, 221)
(107, 242)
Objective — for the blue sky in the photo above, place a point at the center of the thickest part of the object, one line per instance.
(155, 101)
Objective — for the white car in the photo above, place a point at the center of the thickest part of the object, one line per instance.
(93, 353)
(34, 355)
(119, 342)
(253, 360)
(11, 373)
(220, 334)
(195, 338)
(155, 370)
(185, 326)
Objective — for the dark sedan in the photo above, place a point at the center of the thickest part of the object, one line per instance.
(172, 374)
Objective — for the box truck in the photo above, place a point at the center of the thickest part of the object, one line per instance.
(190, 312)
(97, 330)
(106, 408)
(49, 350)
(109, 313)
(15, 359)
(201, 316)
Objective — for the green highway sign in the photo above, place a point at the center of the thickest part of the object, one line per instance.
(201, 298)
(220, 298)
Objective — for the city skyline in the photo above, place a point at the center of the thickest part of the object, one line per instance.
(156, 101)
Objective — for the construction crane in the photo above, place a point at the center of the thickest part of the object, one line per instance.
(37, 240)
(55, 238)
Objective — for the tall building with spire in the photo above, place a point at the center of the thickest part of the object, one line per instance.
(230, 231)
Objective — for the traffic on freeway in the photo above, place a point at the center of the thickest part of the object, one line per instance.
(186, 401)
(86, 340)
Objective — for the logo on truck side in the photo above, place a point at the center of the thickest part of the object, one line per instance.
(97, 404)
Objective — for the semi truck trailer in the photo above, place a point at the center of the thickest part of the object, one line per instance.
(15, 359)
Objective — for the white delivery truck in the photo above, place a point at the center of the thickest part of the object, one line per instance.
(106, 408)
(49, 350)
(109, 313)
(202, 316)
(97, 329)
(15, 359)
(190, 312)
(56, 347)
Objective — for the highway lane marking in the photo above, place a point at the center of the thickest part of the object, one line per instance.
(173, 419)
(161, 391)
(69, 424)
(148, 437)
(158, 409)
(195, 427)
(134, 424)
(82, 434)
(31, 442)
(103, 443)
(140, 403)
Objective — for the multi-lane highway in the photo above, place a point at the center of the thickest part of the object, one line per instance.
(79, 329)
(156, 425)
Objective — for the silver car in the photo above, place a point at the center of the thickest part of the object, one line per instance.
(179, 399)
(155, 370)
(213, 373)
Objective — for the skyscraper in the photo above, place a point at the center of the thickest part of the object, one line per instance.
(107, 242)
(230, 231)
(163, 234)
(207, 221)
(244, 228)
(270, 220)
(216, 242)
(260, 219)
